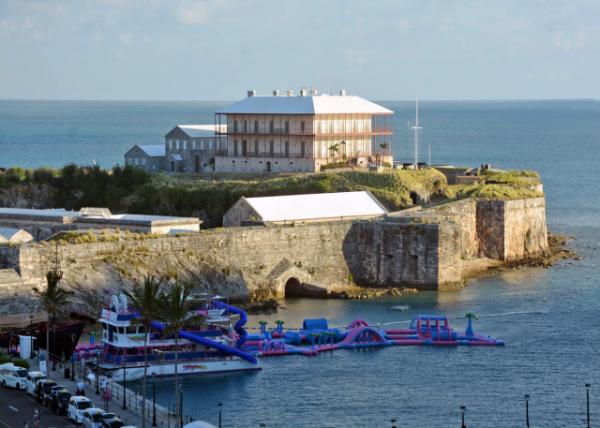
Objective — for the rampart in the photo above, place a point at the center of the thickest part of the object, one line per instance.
(425, 252)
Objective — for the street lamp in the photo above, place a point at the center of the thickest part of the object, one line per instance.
(153, 400)
(220, 415)
(587, 393)
(97, 373)
(31, 336)
(462, 411)
(394, 423)
(180, 406)
(124, 389)
(527, 410)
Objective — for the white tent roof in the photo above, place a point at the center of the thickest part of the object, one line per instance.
(309, 104)
(199, 131)
(154, 150)
(316, 206)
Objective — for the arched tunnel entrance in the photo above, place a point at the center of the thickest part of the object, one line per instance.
(293, 288)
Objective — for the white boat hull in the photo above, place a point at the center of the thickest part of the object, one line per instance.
(194, 368)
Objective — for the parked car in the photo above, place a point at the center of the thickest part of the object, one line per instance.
(77, 405)
(110, 420)
(31, 381)
(43, 385)
(47, 396)
(60, 401)
(12, 376)
(92, 417)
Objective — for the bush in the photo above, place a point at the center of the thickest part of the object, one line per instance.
(21, 363)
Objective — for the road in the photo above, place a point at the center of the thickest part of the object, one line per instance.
(16, 408)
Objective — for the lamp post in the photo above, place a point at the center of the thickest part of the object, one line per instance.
(31, 336)
(124, 388)
(527, 410)
(97, 373)
(462, 412)
(180, 406)
(73, 357)
(587, 394)
(394, 425)
(220, 415)
(153, 400)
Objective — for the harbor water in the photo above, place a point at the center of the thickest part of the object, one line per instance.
(549, 318)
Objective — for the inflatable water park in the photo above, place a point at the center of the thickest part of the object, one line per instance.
(220, 342)
(316, 336)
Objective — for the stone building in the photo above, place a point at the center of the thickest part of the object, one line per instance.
(192, 148)
(302, 133)
(10, 235)
(150, 158)
(298, 209)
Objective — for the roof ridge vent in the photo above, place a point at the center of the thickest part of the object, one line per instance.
(251, 92)
(342, 92)
(290, 92)
(275, 92)
(303, 92)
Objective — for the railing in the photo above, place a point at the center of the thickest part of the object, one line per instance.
(134, 403)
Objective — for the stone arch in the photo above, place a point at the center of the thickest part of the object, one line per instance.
(293, 287)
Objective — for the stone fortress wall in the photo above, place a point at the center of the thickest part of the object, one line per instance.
(424, 250)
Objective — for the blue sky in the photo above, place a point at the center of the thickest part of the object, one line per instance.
(216, 49)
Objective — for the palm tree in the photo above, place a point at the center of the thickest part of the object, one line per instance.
(334, 148)
(53, 298)
(145, 299)
(470, 316)
(175, 309)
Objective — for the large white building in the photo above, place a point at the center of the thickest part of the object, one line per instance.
(288, 133)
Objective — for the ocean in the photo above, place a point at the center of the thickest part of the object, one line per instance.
(549, 318)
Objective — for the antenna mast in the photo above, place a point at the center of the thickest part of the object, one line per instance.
(416, 134)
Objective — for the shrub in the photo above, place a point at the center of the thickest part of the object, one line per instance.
(21, 363)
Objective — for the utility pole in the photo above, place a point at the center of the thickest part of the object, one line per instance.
(527, 410)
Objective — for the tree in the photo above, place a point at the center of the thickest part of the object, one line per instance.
(145, 299)
(470, 316)
(53, 298)
(334, 149)
(175, 305)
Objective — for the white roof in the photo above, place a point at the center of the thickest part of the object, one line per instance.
(309, 104)
(154, 150)
(316, 206)
(176, 157)
(198, 131)
(8, 234)
(53, 212)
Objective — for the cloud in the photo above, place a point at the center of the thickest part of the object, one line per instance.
(194, 12)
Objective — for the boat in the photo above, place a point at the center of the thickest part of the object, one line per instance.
(211, 345)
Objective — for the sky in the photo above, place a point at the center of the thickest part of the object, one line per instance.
(218, 49)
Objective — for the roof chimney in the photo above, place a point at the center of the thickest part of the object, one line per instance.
(303, 92)
(275, 92)
(251, 92)
(342, 92)
(290, 93)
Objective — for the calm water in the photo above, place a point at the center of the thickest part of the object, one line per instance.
(548, 317)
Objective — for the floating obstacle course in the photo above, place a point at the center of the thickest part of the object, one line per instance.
(316, 336)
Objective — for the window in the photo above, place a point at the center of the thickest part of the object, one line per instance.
(235, 126)
(271, 126)
(244, 148)
(184, 145)
(287, 149)
(256, 126)
(144, 161)
(255, 147)
(287, 126)
(271, 147)
(235, 148)
(302, 127)
(302, 148)
(245, 126)
(210, 144)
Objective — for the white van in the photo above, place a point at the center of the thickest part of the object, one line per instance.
(77, 405)
(31, 381)
(12, 376)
